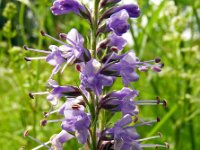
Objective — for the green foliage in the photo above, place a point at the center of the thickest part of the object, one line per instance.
(10, 10)
(170, 30)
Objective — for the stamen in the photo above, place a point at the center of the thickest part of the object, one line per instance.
(152, 102)
(40, 146)
(157, 60)
(150, 138)
(36, 140)
(36, 50)
(148, 61)
(153, 146)
(46, 114)
(66, 64)
(33, 58)
(44, 122)
(51, 37)
(31, 95)
(64, 36)
(149, 122)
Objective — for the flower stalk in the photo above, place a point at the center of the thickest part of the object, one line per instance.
(88, 108)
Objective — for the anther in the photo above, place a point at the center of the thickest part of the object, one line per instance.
(76, 106)
(160, 134)
(42, 33)
(27, 59)
(25, 134)
(156, 68)
(158, 100)
(63, 36)
(114, 49)
(135, 119)
(31, 95)
(43, 122)
(167, 145)
(78, 68)
(45, 114)
(162, 65)
(158, 119)
(164, 103)
(25, 47)
(157, 60)
(103, 44)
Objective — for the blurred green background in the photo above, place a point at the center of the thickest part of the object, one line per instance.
(169, 29)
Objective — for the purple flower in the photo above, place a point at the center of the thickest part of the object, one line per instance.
(132, 10)
(66, 6)
(92, 79)
(60, 91)
(76, 120)
(125, 136)
(71, 52)
(75, 51)
(122, 136)
(118, 22)
(117, 41)
(126, 68)
(120, 101)
(58, 140)
(55, 58)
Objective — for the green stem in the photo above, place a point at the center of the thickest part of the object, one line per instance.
(133, 36)
(192, 135)
(95, 27)
(21, 22)
(196, 15)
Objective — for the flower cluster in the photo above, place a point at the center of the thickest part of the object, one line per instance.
(88, 108)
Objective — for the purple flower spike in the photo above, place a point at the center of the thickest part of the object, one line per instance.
(117, 41)
(92, 79)
(66, 6)
(118, 22)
